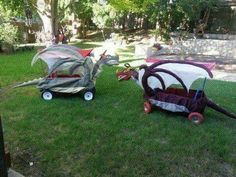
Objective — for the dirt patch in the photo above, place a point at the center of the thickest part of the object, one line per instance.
(27, 163)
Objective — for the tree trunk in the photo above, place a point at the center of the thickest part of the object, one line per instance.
(145, 23)
(131, 20)
(124, 21)
(83, 28)
(47, 11)
(54, 14)
(137, 22)
(157, 29)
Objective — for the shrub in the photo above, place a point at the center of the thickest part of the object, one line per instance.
(8, 32)
(8, 36)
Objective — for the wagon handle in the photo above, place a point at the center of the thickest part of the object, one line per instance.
(127, 65)
(102, 55)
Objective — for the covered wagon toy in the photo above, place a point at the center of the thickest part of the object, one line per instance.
(157, 78)
(70, 70)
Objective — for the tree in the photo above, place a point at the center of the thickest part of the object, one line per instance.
(178, 14)
(133, 10)
(8, 32)
(103, 16)
(83, 10)
(193, 11)
(46, 9)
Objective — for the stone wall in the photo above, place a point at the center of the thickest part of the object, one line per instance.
(221, 48)
(219, 36)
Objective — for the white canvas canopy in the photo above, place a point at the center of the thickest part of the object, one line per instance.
(175, 73)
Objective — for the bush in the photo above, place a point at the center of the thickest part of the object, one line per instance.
(8, 32)
(8, 37)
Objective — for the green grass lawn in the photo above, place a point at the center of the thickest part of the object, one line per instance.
(110, 136)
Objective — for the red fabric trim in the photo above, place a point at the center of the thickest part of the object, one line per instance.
(152, 60)
(85, 52)
(54, 75)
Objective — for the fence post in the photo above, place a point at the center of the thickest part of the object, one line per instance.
(3, 165)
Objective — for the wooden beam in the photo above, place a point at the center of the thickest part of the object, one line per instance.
(3, 165)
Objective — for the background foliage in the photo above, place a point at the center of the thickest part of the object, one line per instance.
(8, 32)
(161, 15)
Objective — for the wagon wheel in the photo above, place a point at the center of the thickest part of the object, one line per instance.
(196, 118)
(147, 107)
(89, 94)
(47, 95)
